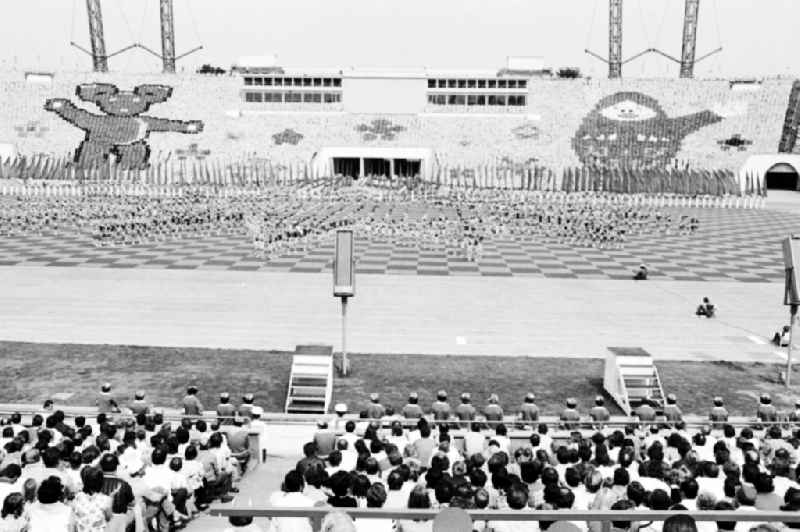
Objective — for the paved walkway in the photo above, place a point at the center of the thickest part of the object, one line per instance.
(254, 490)
(390, 313)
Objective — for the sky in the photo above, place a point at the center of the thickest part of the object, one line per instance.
(757, 36)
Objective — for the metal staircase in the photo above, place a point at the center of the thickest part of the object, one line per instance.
(631, 376)
(310, 380)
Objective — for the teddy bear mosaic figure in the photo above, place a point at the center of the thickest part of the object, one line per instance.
(123, 130)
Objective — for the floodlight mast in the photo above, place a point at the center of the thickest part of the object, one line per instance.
(99, 58)
(689, 46)
(688, 50)
(614, 39)
(167, 37)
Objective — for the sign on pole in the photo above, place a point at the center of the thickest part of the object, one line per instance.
(344, 278)
(344, 282)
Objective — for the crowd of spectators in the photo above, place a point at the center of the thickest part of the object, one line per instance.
(551, 118)
(417, 460)
(127, 470)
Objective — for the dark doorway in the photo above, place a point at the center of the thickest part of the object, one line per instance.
(347, 166)
(377, 167)
(782, 177)
(407, 167)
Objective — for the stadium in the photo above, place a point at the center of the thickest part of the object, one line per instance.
(301, 298)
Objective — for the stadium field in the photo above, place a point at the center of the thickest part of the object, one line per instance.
(744, 245)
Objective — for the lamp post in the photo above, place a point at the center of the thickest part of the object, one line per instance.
(345, 364)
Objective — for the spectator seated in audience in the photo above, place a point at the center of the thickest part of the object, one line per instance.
(11, 516)
(242, 523)
(238, 440)
(418, 499)
(50, 513)
(324, 439)
(291, 496)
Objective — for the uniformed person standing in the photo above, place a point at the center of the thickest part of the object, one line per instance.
(528, 411)
(766, 410)
(139, 405)
(795, 415)
(645, 412)
(106, 403)
(246, 408)
(465, 411)
(225, 410)
(718, 414)
(191, 404)
(570, 415)
(599, 413)
(441, 408)
(375, 410)
(672, 411)
(493, 412)
(412, 410)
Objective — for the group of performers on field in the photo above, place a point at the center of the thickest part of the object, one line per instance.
(286, 219)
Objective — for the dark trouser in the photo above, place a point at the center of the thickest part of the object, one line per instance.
(215, 488)
(179, 498)
(242, 458)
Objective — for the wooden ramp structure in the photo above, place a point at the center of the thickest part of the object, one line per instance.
(310, 380)
(631, 377)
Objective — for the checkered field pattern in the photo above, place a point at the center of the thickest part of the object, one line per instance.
(731, 245)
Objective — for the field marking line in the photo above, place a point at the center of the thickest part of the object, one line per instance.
(756, 339)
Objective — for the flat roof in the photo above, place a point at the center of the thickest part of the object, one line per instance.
(390, 73)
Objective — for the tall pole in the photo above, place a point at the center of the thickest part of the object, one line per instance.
(791, 297)
(690, 11)
(792, 319)
(345, 367)
(167, 37)
(614, 39)
(99, 60)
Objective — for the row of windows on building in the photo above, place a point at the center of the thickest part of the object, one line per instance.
(292, 82)
(477, 84)
(477, 99)
(292, 97)
(273, 81)
(510, 100)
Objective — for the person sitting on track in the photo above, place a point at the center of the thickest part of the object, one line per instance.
(781, 338)
(706, 308)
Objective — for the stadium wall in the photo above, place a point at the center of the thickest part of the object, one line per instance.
(383, 95)
(646, 123)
